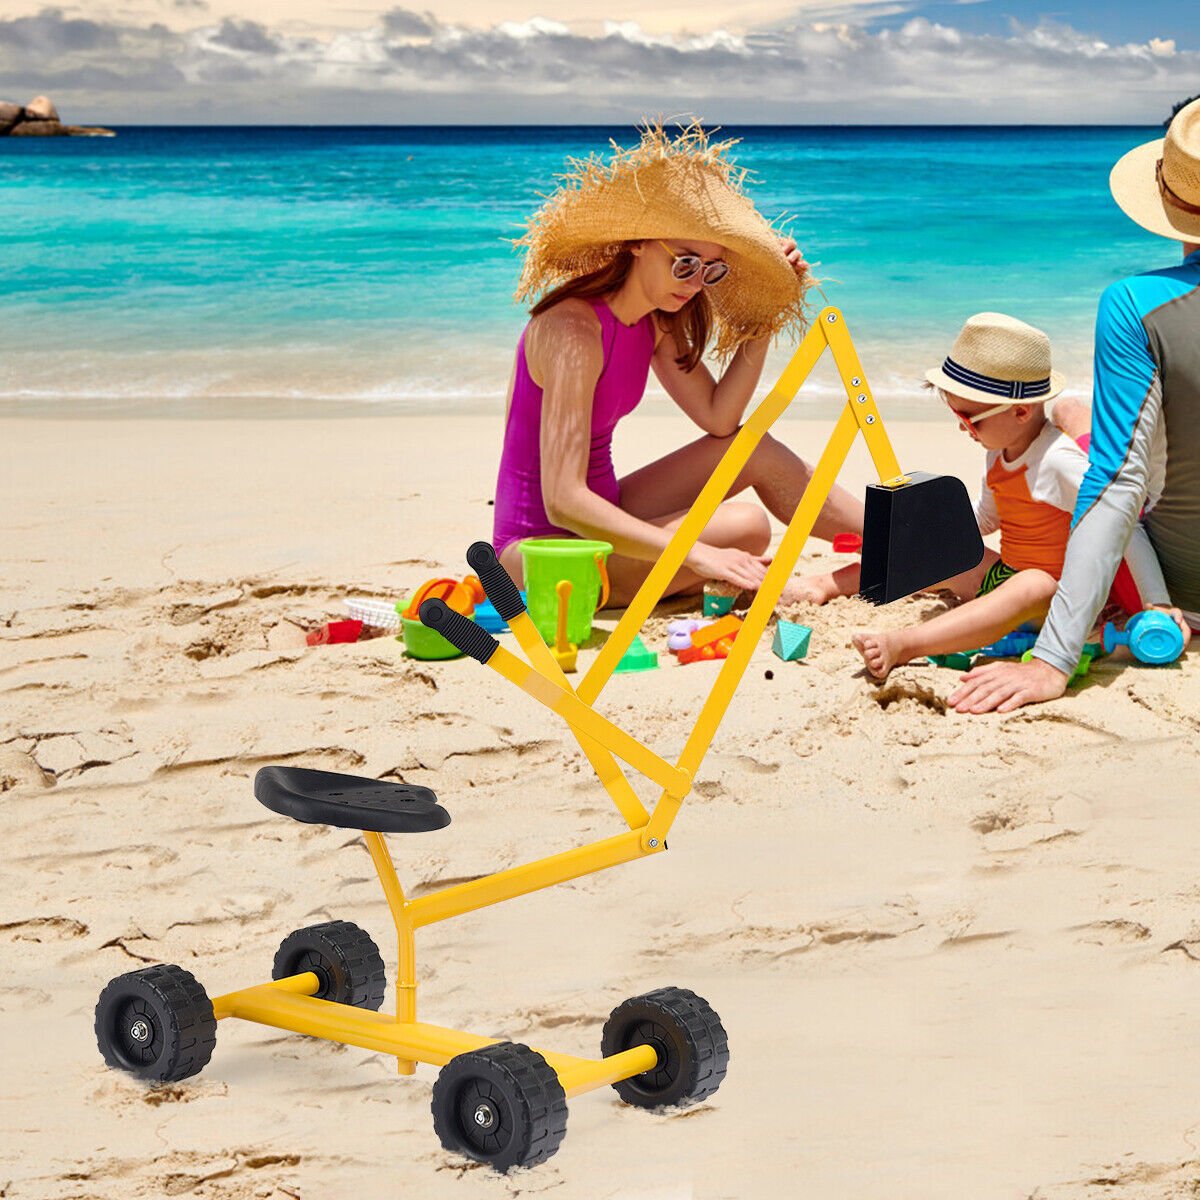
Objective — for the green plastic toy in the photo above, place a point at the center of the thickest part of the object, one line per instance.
(717, 606)
(637, 658)
(960, 660)
(550, 560)
(791, 640)
(420, 642)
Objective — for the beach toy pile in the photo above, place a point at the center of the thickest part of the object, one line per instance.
(459, 595)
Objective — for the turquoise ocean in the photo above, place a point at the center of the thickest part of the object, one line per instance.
(193, 270)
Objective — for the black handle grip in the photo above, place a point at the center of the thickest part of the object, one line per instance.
(460, 631)
(497, 582)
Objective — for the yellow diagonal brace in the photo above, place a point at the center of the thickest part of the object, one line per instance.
(584, 718)
(606, 767)
(862, 403)
(701, 512)
(815, 494)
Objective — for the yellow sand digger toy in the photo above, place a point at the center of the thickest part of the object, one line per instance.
(500, 1102)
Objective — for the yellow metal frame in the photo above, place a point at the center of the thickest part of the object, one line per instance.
(291, 1004)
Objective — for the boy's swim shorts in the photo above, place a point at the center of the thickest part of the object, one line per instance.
(997, 573)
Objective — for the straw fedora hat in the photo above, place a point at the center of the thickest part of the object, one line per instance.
(1158, 184)
(998, 360)
(683, 187)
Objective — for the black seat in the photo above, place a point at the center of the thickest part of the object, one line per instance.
(349, 801)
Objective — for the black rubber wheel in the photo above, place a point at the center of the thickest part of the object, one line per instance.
(692, 1046)
(156, 1023)
(342, 956)
(502, 1105)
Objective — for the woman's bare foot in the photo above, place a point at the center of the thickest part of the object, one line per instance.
(812, 589)
(880, 651)
(820, 589)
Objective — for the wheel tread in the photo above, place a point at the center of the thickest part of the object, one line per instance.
(359, 954)
(191, 1034)
(701, 1028)
(539, 1093)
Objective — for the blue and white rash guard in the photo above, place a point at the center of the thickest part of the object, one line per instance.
(1145, 452)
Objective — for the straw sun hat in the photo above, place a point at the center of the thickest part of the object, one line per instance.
(1158, 184)
(677, 188)
(996, 360)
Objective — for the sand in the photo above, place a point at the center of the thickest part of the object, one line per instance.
(956, 956)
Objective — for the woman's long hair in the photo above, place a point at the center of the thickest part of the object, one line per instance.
(689, 326)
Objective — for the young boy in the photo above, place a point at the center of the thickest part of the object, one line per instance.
(996, 381)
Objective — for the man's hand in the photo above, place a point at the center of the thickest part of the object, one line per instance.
(1176, 615)
(1003, 686)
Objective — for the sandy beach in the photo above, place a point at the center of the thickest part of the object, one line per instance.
(957, 957)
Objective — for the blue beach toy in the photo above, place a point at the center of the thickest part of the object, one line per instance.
(1011, 645)
(1153, 637)
(791, 640)
(488, 618)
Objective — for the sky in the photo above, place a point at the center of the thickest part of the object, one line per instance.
(603, 61)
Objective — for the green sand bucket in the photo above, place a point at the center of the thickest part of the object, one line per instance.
(548, 560)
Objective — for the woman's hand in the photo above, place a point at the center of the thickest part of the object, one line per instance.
(729, 565)
(795, 259)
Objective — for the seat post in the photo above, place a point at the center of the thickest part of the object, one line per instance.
(406, 966)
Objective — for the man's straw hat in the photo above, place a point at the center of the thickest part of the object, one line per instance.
(998, 360)
(1158, 184)
(682, 188)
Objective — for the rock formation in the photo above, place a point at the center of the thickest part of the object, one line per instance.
(39, 118)
(41, 108)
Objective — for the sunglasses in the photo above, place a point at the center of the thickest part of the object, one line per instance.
(972, 422)
(685, 266)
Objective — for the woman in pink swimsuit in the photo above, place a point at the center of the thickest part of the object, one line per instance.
(650, 301)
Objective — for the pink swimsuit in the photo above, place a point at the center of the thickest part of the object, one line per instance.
(520, 512)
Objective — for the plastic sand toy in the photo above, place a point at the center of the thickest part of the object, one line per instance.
(716, 605)
(1152, 637)
(583, 563)
(1011, 645)
(335, 633)
(637, 658)
(375, 614)
(495, 1101)
(486, 617)
(791, 640)
(679, 633)
(564, 651)
(960, 660)
(427, 644)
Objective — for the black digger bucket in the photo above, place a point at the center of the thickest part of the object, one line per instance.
(917, 535)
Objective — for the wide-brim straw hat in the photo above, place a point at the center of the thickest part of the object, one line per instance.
(996, 360)
(1158, 184)
(678, 188)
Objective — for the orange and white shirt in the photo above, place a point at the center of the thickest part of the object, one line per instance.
(1030, 500)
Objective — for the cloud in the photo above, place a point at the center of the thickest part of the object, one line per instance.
(51, 33)
(247, 37)
(414, 67)
(402, 22)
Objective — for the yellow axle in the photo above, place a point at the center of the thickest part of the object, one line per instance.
(290, 1004)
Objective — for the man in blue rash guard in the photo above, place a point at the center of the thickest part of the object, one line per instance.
(1145, 448)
